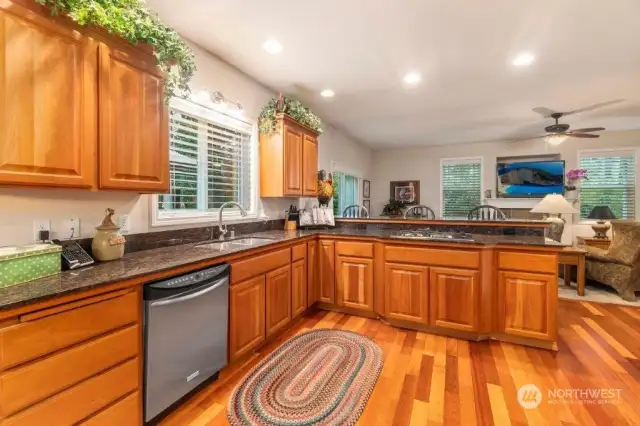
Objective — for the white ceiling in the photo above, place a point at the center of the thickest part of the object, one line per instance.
(588, 51)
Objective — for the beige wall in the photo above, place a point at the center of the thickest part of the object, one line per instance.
(20, 207)
(423, 164)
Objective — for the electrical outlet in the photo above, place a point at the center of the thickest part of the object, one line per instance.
(71, 228)
(124, 223)
(40, 225)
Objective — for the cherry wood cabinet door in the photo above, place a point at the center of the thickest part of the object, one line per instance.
(278, 298)
(354, 281)
(134, 139)
(326, 271)
(407, 292)
(310, 166)
(527, 304)
(454, 298)
(246, 316)
(292, 161)
(48, 102)
(298, 287)
(313, 291)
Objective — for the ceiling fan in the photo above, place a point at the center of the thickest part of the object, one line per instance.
(558, 132)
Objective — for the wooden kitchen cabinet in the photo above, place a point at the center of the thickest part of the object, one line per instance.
(134, 141)
(326, 272)
(454, 298)
(407, 292)
(354, 282)
(288, 160)
(527, 304)
(313, 290)
(298, 287)
(278, 299)
(48, 101)
(246, 316)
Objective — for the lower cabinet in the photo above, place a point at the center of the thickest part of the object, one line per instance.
(298, 287)
(246, 316)
(326, 272)
(313, 292)
(527, 304)
(406, 292)
(354, 282)
(278, 299)
(454, 294)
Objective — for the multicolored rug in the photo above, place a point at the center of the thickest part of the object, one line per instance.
(321, 377)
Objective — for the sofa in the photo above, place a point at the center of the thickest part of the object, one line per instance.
(619, 266)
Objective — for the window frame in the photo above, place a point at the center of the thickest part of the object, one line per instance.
(631, 149)
(200, 110)
(459, 160)
(337, 167)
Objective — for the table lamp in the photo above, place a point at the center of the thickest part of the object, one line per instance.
(601, 213)
(554, 204)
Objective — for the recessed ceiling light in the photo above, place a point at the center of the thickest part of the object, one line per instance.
(327, 93)
(412, 78)
(523, 59)
(272, 46)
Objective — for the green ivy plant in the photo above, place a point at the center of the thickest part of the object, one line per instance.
(291, 107)
(131, 20)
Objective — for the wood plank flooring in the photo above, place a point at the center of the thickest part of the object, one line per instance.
(434, 380)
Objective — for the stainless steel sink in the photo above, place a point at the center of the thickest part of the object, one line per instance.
(236, 244)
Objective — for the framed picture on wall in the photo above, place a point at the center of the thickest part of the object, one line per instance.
(407, 192)
(366, 189)
(367, 205)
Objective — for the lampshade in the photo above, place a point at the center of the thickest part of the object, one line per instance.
(554, 204)
(601, 212)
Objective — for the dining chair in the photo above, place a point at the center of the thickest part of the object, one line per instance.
(355, 210)
(420, 212)
(486, 212)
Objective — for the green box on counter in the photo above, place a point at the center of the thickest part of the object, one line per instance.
(28, 263)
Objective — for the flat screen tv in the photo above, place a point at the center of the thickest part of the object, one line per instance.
(530, 179)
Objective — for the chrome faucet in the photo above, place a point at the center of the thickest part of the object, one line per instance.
(358, 208)
(221, 226)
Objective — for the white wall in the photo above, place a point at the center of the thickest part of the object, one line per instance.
(20, 206)
(423, 164)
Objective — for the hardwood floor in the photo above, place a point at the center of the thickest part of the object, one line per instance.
(433, 380)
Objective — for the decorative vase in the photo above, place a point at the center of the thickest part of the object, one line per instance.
(108, 243)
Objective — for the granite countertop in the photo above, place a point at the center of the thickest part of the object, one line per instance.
(505, 222)
(146, 262)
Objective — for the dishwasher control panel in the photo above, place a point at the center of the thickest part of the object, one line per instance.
(192, 278)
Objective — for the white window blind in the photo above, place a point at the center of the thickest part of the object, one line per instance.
(461, 186)
(210, 160)
(611, 182)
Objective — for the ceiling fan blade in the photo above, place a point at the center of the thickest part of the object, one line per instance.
(595, 106)
(589, 129)
(581, 135)
(544, 111)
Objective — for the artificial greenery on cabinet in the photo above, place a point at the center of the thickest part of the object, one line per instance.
(131, 20)
(291, 107)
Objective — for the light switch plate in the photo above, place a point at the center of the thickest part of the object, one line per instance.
(124, 223)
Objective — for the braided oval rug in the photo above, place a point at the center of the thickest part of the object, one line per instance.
(321, 377)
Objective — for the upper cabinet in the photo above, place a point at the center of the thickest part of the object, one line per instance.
(134, 142)
(78, 108)
(48, 102)
(288, 160)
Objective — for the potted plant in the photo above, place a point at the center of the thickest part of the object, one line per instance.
(291, 107)
(393, 208)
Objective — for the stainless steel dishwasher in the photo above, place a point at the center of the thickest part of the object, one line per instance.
(185, 335)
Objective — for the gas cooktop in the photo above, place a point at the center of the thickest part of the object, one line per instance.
(432, 235)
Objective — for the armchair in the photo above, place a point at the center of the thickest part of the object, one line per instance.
(619, 266)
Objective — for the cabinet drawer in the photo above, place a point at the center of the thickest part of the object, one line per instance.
(31, 339)
(80, 401)
(531, 262)
(356, 249)
(298, 252)
(245, 269)
(26, 385)
(123, 412)
(435, 257)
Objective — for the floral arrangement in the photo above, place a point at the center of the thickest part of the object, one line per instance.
(325, 188)
(293, 108)
(393, 208)
(131, 20)
(574, 177)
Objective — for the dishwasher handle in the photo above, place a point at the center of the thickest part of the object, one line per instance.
(190, 296)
